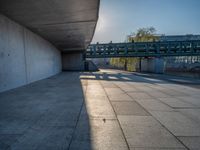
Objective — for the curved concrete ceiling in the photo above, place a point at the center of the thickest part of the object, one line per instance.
(68, 24)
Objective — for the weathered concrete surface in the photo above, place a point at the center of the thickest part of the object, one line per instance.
(68, 24)
(153, 65)
(108, 110)
(41, 115)
(76, 61)
(24, 56)
(73, 61)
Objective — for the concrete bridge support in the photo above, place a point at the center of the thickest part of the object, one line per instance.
(73, 61)
(76, 61)
(153, 65)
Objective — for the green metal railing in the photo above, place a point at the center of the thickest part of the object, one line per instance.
(144, 49)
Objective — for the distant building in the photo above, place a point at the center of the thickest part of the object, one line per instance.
(178, 37)
(182, 63)
(163, 37)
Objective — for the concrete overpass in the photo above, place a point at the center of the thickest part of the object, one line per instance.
(38, 39)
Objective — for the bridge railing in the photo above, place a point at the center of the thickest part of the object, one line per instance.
(144, 49)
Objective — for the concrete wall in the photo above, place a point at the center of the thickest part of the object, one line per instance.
(24, 56)
(92, 66)
(72, 61)
(153, 65)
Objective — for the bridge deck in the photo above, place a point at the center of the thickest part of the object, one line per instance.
(107, 110)
(144, 49)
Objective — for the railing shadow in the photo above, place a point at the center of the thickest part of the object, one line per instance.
(120, 76)
(149, 78)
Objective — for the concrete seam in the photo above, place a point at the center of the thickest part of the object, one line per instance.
(72, 22)
(116, 118)
(79, 115)
(25, 59)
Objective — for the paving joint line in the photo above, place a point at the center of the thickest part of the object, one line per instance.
(79, 115)
(116, 118)
(160, 123)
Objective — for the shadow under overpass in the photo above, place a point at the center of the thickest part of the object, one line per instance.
(47, 114)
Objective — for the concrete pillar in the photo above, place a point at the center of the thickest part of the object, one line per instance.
(153, 65)
(73, 61)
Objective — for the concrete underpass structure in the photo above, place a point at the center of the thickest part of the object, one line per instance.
(153, 65)
(39, 39)
(77, 110)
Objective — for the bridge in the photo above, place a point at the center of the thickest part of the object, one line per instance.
(106, 110)
(144, 49)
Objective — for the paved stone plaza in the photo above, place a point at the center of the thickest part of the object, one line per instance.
(106, 110)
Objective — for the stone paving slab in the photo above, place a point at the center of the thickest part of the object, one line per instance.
(174, 102)
(105, 110)
(140, 95)
(129, 89)
(154, 105)
(44, 138)
(177, 123)
(158, 94)
(146, 132)
(99, 109)
(145, 88)
(157, 148)
(99, 134)
(113, 91)
(95, 96)
(120, 97)
(190, 99)
(8, 139)
(193, 114)
(129, 108)
(41, 115)
(172, 92)
(193, 143)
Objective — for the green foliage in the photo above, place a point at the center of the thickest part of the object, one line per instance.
(117, 62)
(142, 35)
(132, 63)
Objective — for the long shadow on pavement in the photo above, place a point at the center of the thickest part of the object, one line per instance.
(45, 115)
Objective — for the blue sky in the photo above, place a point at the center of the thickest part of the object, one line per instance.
(118, 18)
